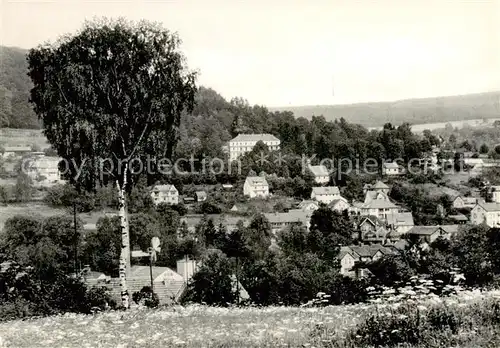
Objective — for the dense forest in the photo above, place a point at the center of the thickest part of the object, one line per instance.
(16, 112)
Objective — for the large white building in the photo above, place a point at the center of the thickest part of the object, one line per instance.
(326, 194)
(244, 143)
(256, 186)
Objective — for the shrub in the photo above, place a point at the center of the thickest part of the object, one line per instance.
(146, 297)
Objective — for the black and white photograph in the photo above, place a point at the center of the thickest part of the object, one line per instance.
(255, 174)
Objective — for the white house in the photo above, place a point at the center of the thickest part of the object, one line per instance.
(495, 193)
(339, 205)
(244, 143)
(488, 213)
(165, 194)
(461, 202)
(15, 151)
(280, 221)
(321, 175)
(391, 168)
(326, 194)
(256, 186)
(308, 205)
(43, 168)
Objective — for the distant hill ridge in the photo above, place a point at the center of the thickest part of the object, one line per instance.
(414, 111)
(16, 111)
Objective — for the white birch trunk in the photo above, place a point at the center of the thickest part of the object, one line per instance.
(125, 250)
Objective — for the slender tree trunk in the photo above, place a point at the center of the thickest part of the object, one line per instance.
(125, 250)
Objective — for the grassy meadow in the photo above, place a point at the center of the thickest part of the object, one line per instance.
(469, 319)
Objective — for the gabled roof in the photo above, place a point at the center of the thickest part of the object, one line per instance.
(335, 201)
(319, 170)
(458, 217)
(256, 180)
(165, 188)
(375, 221)
(424, 230)
(468, 200)
(306, 202)
(379, 204)
(404, 219)
(17, 149)
(326, 190)
(201, 194)
(452, 229)
(379, 185)
(143, 272)
(391, 165)
(491, 207)
(293, 215)
(254, 137)
(345, 250)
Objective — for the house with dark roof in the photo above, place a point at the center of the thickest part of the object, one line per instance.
(201, 196)
(458, 218)
(379, 186)
(428, 234)
(352, 256)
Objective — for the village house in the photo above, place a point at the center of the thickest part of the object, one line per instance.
(495, 193)
(165, 194)
(43, 168)
(280, 221)
(403, 223)
(350, 256)
(167, 284)
(392, 169)
(244, 143)
(371, 229)
(377, 203)
(461, 202)
(326, 194)
(201, 196)
(308, 205)
(256, 186)
(379, 186)
(321, 175)
(15, 151)
(428, 234)
(458, 218)
(488, 213)
(339, 205)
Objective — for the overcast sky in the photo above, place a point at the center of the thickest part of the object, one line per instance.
(303, 52)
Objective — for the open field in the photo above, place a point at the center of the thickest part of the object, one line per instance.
(200, 326)
(43, 210)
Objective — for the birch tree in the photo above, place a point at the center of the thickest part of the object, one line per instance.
(110, 98)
